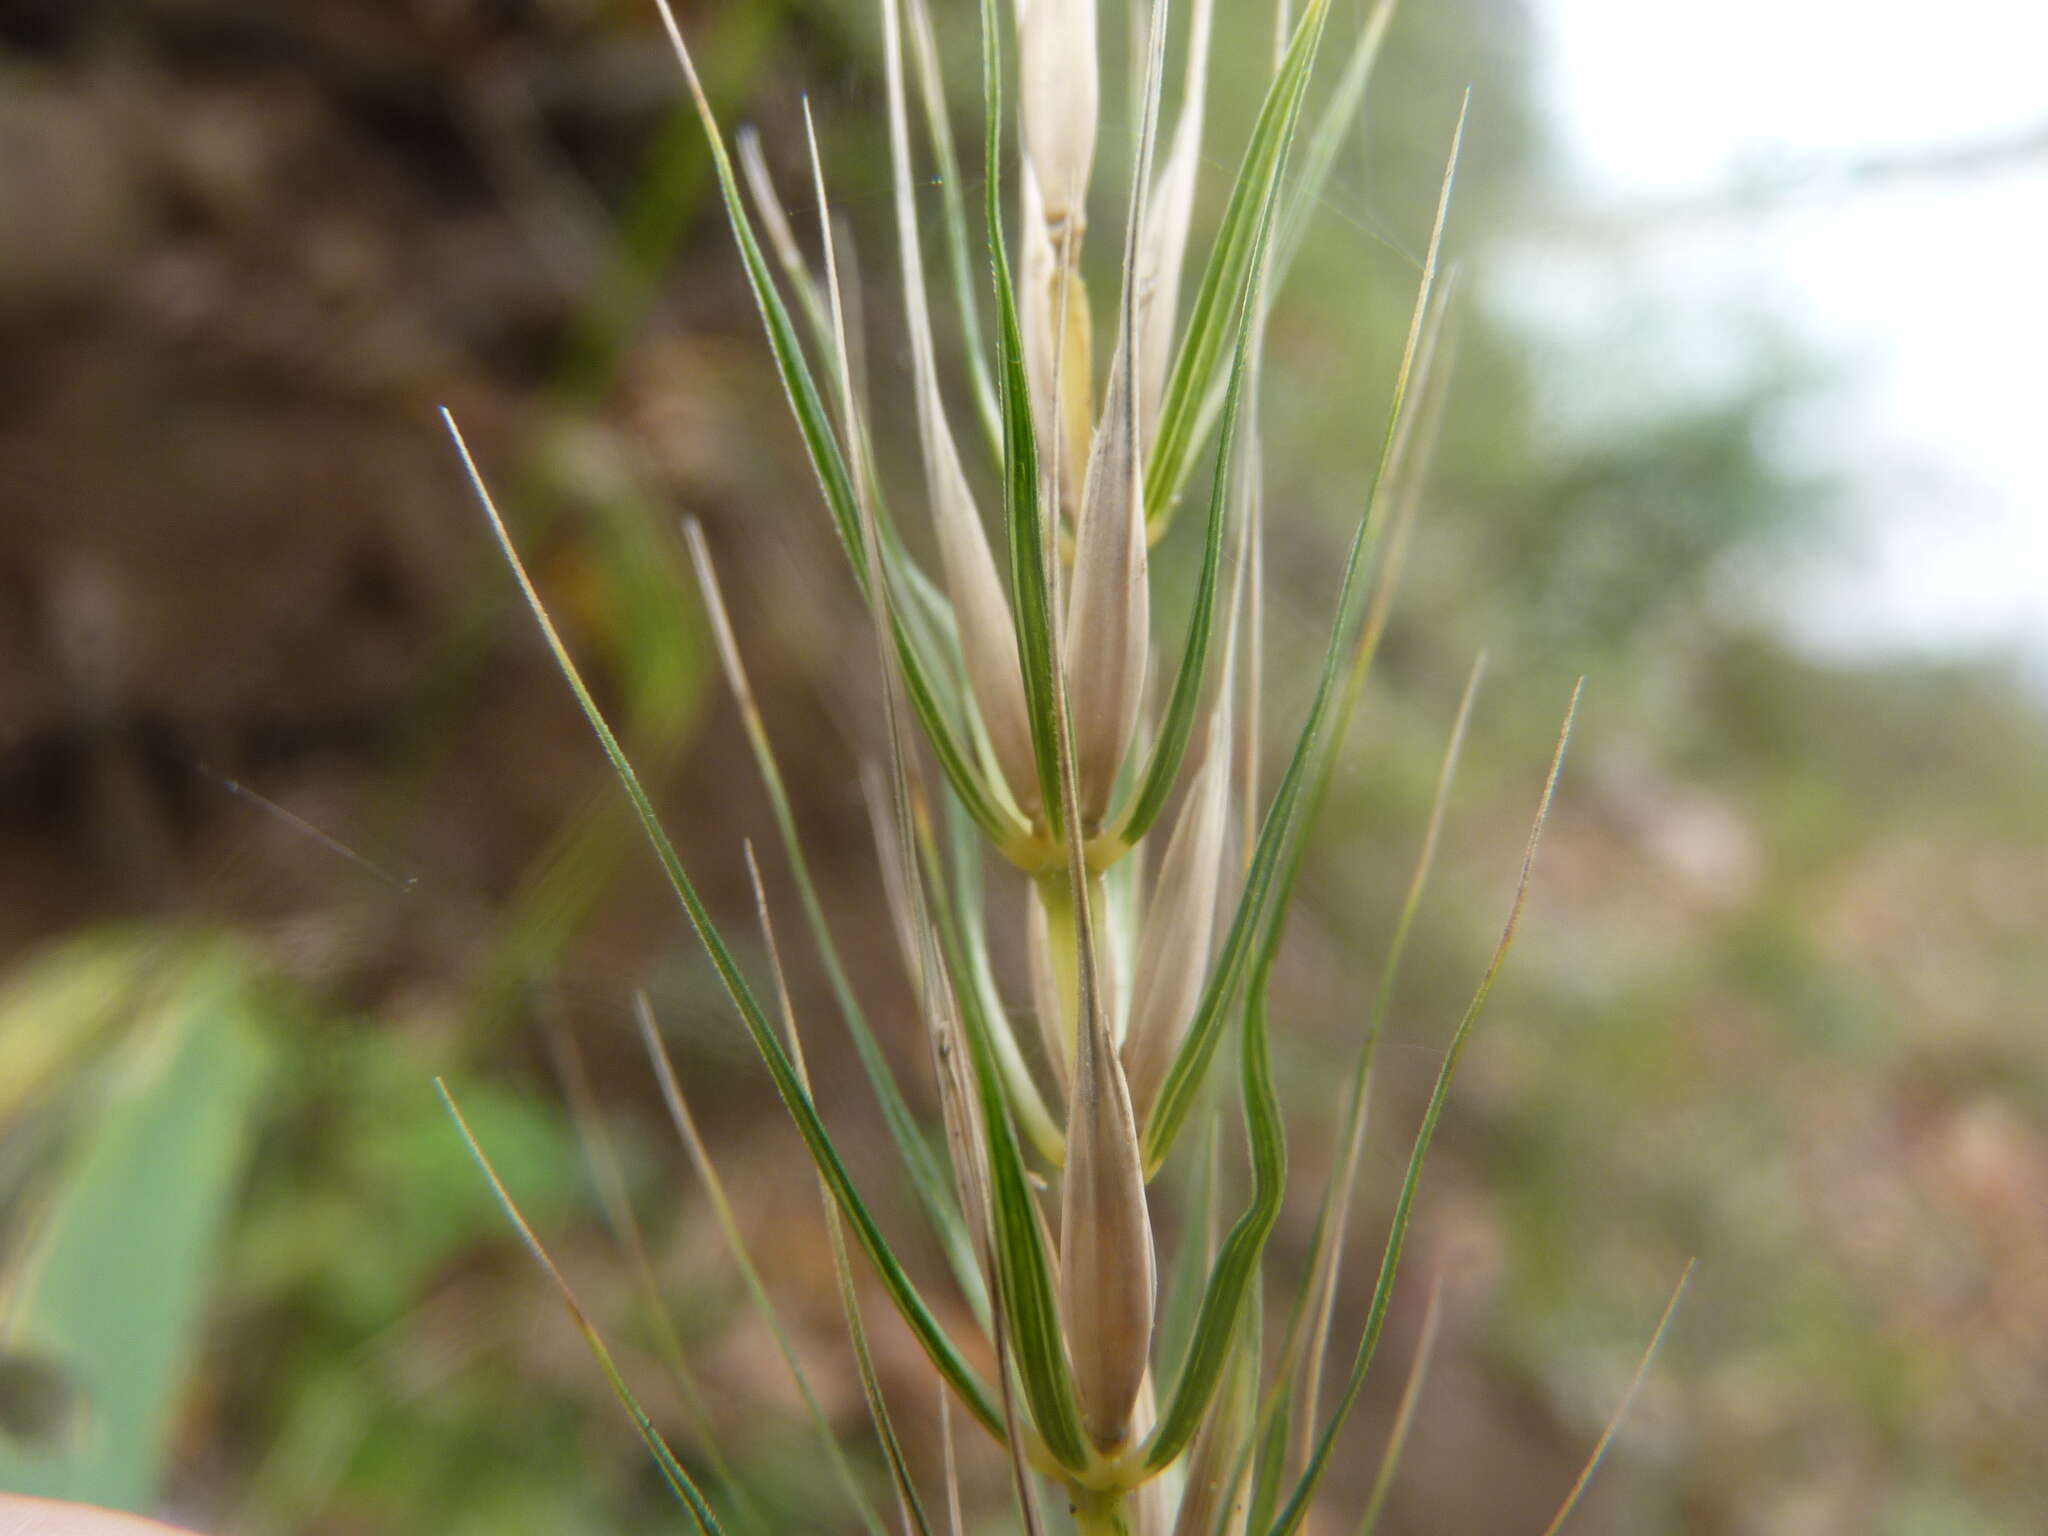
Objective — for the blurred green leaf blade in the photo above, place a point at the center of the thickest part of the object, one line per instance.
(108, 1293)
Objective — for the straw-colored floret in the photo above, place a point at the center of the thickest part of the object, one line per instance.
(1106, 1263)
(1109, 614)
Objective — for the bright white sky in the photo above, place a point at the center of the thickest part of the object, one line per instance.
(1930, 295)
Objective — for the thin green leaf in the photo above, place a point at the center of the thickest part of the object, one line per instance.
(1165, 234)
(1026, 1310)
(1234, 1275)
(781, 238)
(1197, 1247)
(1030, 577)
(816, 1138)
(1249, 1450)
(1024, 1268)
(1002, 826)
(957, 921)
(804, 400)
(1013, 1440)
(840, 344)
(679, 1482)
(609, 1178)
(1213, 1502)
(750, 1275)
(1230, 271)
(1405, 472)
(1297, 1505)
(835, 479)
(1305, 192)
(1621, 1409)
(1327, 1244)
(1307, 1334)
(1269, 1447)
(1248, 924)
(911, 1507)
(927, 1173)
(1404, 1412)
(1237, 1263)
(1178, 1093)
(1250, 611)
(1169, 748)
(931, 88)
(1290, 1407)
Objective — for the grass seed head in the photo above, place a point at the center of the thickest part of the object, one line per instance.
(1084, 635)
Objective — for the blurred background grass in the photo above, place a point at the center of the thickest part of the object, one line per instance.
(1778, 1003)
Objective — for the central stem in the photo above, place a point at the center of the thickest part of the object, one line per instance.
(1063, 944)
(1100, 1514)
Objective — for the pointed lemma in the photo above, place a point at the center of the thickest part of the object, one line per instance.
(1109, 609)
(1106, 1260)
(1058, 76)
(988, 639)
